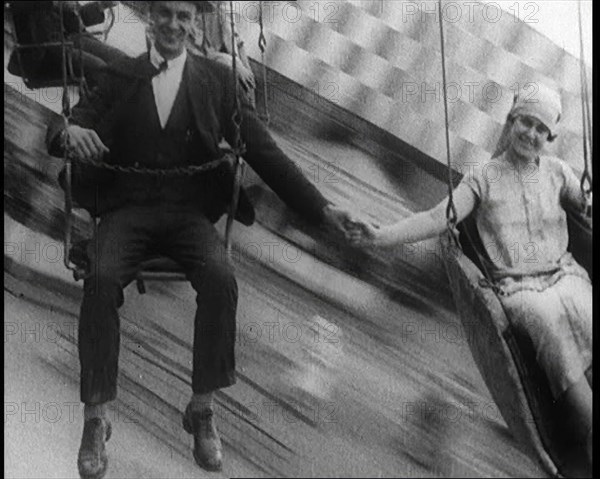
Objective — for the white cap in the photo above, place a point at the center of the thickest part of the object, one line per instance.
(543, 104)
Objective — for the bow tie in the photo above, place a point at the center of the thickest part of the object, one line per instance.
(148, 70)
(162, 67)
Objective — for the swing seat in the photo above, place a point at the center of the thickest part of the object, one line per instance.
(40, 67)
(504, 356)
(158, 267)
(37, 54)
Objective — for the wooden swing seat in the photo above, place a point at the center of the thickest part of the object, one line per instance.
(506, 357)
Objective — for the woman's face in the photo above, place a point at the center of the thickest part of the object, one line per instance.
(529, 135)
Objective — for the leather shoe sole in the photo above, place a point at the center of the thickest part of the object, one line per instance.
(92, 460)
(207, 463)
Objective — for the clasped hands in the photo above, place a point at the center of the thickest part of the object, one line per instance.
(355, 230)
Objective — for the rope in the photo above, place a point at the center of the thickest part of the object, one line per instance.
(451, 215)
(111, 24)
(586, 178)
(204, 45)
(78, 273)
(262, 43)
(238, 147)
(83, 89)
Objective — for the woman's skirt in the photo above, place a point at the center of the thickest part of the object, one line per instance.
(555, 310)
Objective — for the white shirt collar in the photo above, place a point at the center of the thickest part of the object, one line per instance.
(156, 59)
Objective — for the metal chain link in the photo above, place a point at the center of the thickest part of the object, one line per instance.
(66, 114)
(262, 44)
(586, 177)
(165, 172)
(239, 146)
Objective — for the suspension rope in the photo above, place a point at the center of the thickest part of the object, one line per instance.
(451, 215)
(262, 43)
(83, 89)
(586, 178)
(204, 45)
(78, 272)
(238, 146)
(111, 24)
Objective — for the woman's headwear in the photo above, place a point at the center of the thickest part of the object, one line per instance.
(543, 104)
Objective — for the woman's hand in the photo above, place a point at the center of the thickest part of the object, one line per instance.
(365, 234)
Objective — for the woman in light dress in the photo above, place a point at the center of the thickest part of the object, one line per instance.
(519, 198)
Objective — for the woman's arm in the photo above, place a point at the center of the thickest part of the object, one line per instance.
(419, 226)
(571, 195)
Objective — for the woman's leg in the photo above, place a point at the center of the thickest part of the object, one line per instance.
(576, 405)
(558, 320)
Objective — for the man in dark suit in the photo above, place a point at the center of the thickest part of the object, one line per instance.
(163, 110)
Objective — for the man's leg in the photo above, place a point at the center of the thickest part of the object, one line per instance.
(118, 248)
(195, 244)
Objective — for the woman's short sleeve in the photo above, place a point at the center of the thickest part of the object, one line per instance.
(472, 178)
(570, 192)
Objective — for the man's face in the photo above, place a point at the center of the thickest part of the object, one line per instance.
(172, 23)
(529, 135)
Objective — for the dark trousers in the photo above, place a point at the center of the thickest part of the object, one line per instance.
(125, 238)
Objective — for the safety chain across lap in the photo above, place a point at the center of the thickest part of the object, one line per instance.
(165, 172)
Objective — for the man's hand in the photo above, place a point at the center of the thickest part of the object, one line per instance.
(246, 77)
(84, 143)
(338, 219)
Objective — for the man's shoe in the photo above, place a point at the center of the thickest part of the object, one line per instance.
(92, 460)
(207, 443)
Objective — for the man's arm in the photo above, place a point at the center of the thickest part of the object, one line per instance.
(86, 115)
(279, 172)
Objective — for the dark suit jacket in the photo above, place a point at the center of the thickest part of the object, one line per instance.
(212, 97)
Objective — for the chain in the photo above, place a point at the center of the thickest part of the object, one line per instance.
(262, 43)
(586, 177)
(239, 146)
(66, 114)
